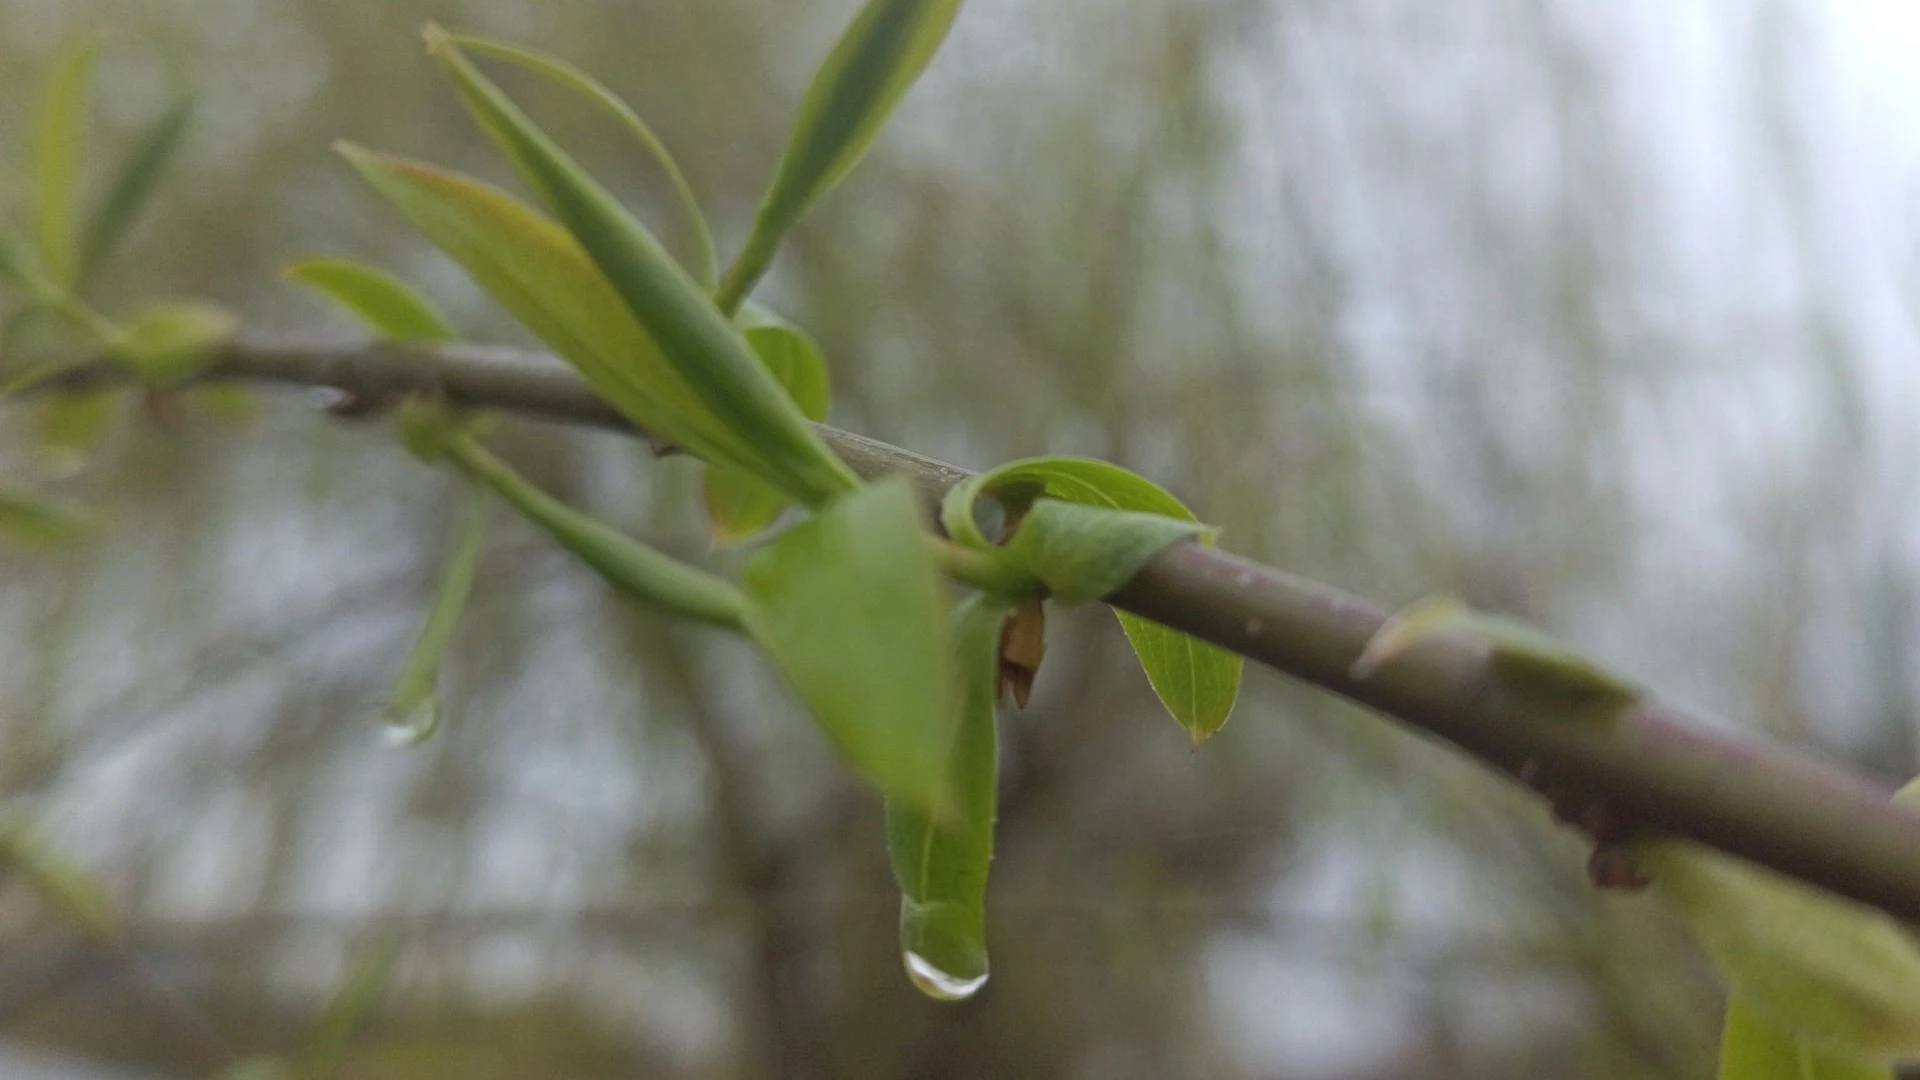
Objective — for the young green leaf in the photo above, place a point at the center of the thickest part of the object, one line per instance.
(1838, 975)
(42, 522)
(737, 504)
(1082, 553)
(1197, 682)
(73, 424)
(120, 210)
(1753, 1048)
(413, 710)
(851, 608)
(630, 566)
(543, 278)
(941, 861)
(352, 1003)
(593, 90)
(875, 61)
(171, 342)
(61, 885)
(389, 306)
(59, 147)
(695, 337)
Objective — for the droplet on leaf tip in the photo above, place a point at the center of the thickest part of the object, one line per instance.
(415, 725)
(939, 984)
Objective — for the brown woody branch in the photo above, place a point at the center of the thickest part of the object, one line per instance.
(1658, 770)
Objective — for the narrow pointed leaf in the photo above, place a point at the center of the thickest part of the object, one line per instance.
(387, 305)
(851, 608)
(1197, 682)
(73, 424)
(1753, 1048)
(593, 90)
(1837, 974)
(941, 861)
(38, 521)
(353, 1002)
(535, 270)
(695, 337)
(59, 150)
(171, 342)
(132, 189)
(872, 66)
(630, 566)
(739, 505)
(416, 691)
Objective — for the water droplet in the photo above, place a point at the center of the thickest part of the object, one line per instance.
(415, 725)
(938, 984)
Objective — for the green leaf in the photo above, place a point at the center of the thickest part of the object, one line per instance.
(1752, 1048)
(353, 1002)
(139, 178)
(593, 90)
(634, 568)
(16, 266)
(171, 342)
(42, 522)
(695, 337)
(67, 888)
(875, 61)
(59, 147)
(389, 306)
(737, 504)
(1082, 553)
(1835, 973)
(1197, 682)
(941, 861)
(851, 608)
(74, 423)
(413, 710)
(544, 278)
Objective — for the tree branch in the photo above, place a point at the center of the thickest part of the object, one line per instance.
(1657, 770)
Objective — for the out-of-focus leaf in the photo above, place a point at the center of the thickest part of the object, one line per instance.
(231, 402)
(850, 606)
(169, 342)
(1834, 973)
(387, 305)
(347, 1013)
(36, 336)
(61, 885)
(875, 61)
(42, 522)
(59, 150)
(1752, 1048)
(636, 569)
(73, 424)
(16, 266)
(138, 179)
(571, 77)
(695, 337)
(543, 278)
(941, 861)
(739, 505)
(1197, 682)
(413, 710)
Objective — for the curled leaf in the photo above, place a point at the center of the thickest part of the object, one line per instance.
(571, 77)
(710, 355)
(387, 305)
(872, 66)
(171, 342)
(630, 566)
(850, 606)
(1196, 681)
(941, 860)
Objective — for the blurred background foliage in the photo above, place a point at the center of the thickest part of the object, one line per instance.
(1593, 313)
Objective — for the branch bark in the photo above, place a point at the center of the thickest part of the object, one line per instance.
(1658, 770)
